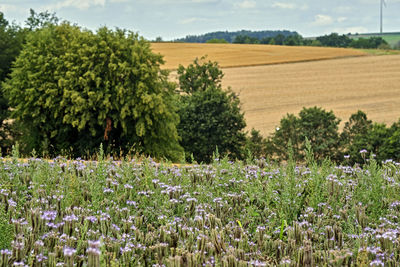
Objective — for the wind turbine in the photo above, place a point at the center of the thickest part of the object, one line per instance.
(383, 3)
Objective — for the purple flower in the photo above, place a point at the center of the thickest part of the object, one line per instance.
(70, 218)
(108, 190)
(49, 215)
(5, 252)
(92, 219)
(128, 186)
(12, 203)
(68, 252)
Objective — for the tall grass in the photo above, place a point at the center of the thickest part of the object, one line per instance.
(131, 213)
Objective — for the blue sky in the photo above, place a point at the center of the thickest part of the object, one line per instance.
(172, 19)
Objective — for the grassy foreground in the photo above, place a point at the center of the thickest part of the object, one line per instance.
(126, 213)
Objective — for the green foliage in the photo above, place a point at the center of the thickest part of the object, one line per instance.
(217, 41)
(370, 43)
(334, 40)
(211, 119)
(392, 144)
(315, 124)
(6, 230)
(244, 39)
(72, 89)
(231, 36)
(256, 145)
(351, 137)
(199, 75)
(39, 20)
(11, 40)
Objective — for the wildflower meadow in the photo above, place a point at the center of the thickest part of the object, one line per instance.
(142, 213)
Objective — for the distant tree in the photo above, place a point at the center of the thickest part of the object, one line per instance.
(352, 136)
(159, 40)
(315, 124)
(199, 75)
(244, 39)
(334, 40)
(256, 144)
(293, 40)
(392, 144)
(217, 41)
(71, 88)
(369, 43)
(375, 141)
(230, 36)
(316, 43)
(210, 116)
(266, 40)
(279, 39)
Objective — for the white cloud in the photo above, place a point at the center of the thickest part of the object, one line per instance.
(80, 4)
(191, 20)
(323, 20)
(284, 5)
(341, 19)
(246, 4)
(5, 8)
(343, 9)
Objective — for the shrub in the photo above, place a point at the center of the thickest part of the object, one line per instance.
(315, 124)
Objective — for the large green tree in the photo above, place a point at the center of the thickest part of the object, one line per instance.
(74, 89)
(11, 40)
(210, 116)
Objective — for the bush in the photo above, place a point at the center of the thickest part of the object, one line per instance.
(315, 124)
(256, 145)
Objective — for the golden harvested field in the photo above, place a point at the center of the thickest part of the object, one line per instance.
(238, 55)
(268, 93)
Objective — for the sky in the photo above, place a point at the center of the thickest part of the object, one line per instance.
(171, 19)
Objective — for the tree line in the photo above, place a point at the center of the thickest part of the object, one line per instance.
(318, 130)
(231, 36)
(331, 40)
(287, 38)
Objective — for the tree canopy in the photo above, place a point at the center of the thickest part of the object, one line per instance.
(73, 88)
(315, 124)
(210, 116)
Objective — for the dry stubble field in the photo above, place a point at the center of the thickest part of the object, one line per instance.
(267, 93)
(240, 55)
(269, 90)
